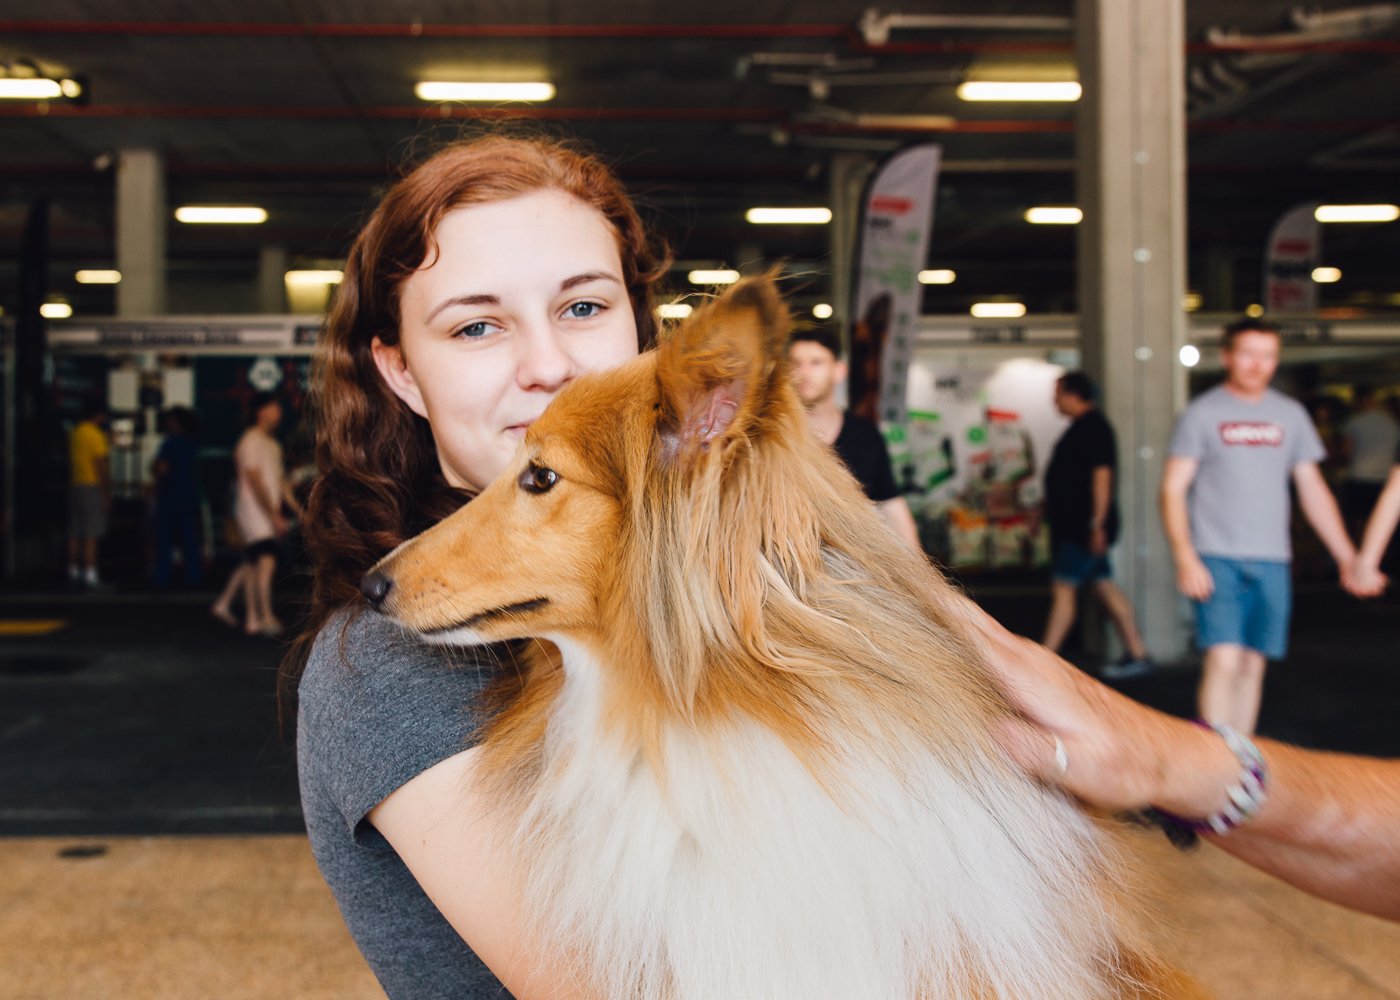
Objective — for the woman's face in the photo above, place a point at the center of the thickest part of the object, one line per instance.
(523, 295)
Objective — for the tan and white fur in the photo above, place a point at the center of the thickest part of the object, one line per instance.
(762, 764)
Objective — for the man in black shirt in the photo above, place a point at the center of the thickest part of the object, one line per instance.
(1082, 511)
(817, 370)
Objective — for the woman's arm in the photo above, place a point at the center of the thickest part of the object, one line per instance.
(447, 833)
(1330, 825)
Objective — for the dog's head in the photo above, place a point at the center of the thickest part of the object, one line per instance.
(638, 458)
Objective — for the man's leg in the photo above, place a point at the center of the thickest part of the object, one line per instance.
(1232, 685)
(1062, 608)
(1120, 610)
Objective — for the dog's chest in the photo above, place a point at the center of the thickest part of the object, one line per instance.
(728, 868)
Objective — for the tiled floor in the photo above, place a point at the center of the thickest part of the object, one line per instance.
(248, 917)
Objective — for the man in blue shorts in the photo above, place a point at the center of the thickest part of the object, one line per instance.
(1225, 509)
(1081, 508)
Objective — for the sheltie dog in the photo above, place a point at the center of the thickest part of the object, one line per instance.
(761, 765)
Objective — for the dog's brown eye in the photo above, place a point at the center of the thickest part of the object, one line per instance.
(538, 479)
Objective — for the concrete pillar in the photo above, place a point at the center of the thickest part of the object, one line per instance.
(1131, 176)
(1218, 295)
(141, 221)
(272, 281)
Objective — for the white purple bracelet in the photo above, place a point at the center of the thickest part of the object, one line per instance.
(1246, 797)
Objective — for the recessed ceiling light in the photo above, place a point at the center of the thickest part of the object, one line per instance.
(447, 90)
(30, 88)
(823, 310)
(1005, 90)
(217, 214)
(998, 310)
(1054, 215)
(1326, 275)
(55, 310)
(1189, 355)
(938, 276)
(312, 278)
(715, 277)
(673, 310)
(1357, 213)
(1191, 301)
(788, 216)
(98, 277)
(1254, 310)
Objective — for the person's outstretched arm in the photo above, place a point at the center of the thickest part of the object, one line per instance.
(1379, 527)
(1330, 825)
(1320, 508)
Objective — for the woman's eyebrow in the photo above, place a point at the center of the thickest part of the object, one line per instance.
(483, 299)
(587, 276)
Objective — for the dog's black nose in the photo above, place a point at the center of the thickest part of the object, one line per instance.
(376, 586)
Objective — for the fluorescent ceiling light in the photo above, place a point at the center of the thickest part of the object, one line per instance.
(822, 310)
(788, 216)
(1005, 90)
(1190, 355)
(30, 88)
(1357, 213)
(938, 276)
(311, 278)
(96, 277)
(998, 310)
(716, 277)
(220, 214)
(55, 310)
(1054, 215)
(445, 90)
(673, 310)
(1326, 275)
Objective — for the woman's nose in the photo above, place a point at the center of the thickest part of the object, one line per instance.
(545, 362)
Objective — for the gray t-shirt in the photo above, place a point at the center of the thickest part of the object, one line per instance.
(378, 707)
(1247, 451)
(1373, 437)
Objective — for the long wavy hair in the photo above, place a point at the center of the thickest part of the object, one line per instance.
(380, 481)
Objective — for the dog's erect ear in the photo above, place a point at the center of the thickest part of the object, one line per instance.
(716, 369)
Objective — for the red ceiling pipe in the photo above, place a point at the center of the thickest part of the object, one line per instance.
(847, 32)
(416, 29)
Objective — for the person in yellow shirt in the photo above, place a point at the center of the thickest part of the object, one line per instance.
(89, 496)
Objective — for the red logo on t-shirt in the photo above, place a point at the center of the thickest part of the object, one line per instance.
(1252, 434)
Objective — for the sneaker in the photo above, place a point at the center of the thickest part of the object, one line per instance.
(1127, 667)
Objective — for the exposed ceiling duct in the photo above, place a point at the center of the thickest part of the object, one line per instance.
(1257, 65)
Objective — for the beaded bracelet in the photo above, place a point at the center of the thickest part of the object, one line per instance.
(1246, 797)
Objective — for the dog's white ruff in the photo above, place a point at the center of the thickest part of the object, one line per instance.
(736, 875)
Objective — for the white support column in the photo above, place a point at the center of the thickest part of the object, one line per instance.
(141, 221)
(1132, 270)
(272, 282)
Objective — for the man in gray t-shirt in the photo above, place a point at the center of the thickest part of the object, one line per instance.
(1225, 508)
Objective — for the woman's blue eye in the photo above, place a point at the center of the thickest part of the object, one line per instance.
(471, 330)
(583, 310)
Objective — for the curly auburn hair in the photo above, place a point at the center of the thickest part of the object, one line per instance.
(380, 480)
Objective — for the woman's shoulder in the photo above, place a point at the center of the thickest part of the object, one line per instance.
(365, 672)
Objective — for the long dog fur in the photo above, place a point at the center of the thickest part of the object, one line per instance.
(762, 763)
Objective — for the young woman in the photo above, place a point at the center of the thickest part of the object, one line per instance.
(488, 278)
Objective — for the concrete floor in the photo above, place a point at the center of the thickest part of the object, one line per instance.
(150, 834)
(246, 918)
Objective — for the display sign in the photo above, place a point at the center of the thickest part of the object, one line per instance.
(279, 335)
(1293, 250)
(896, 219)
